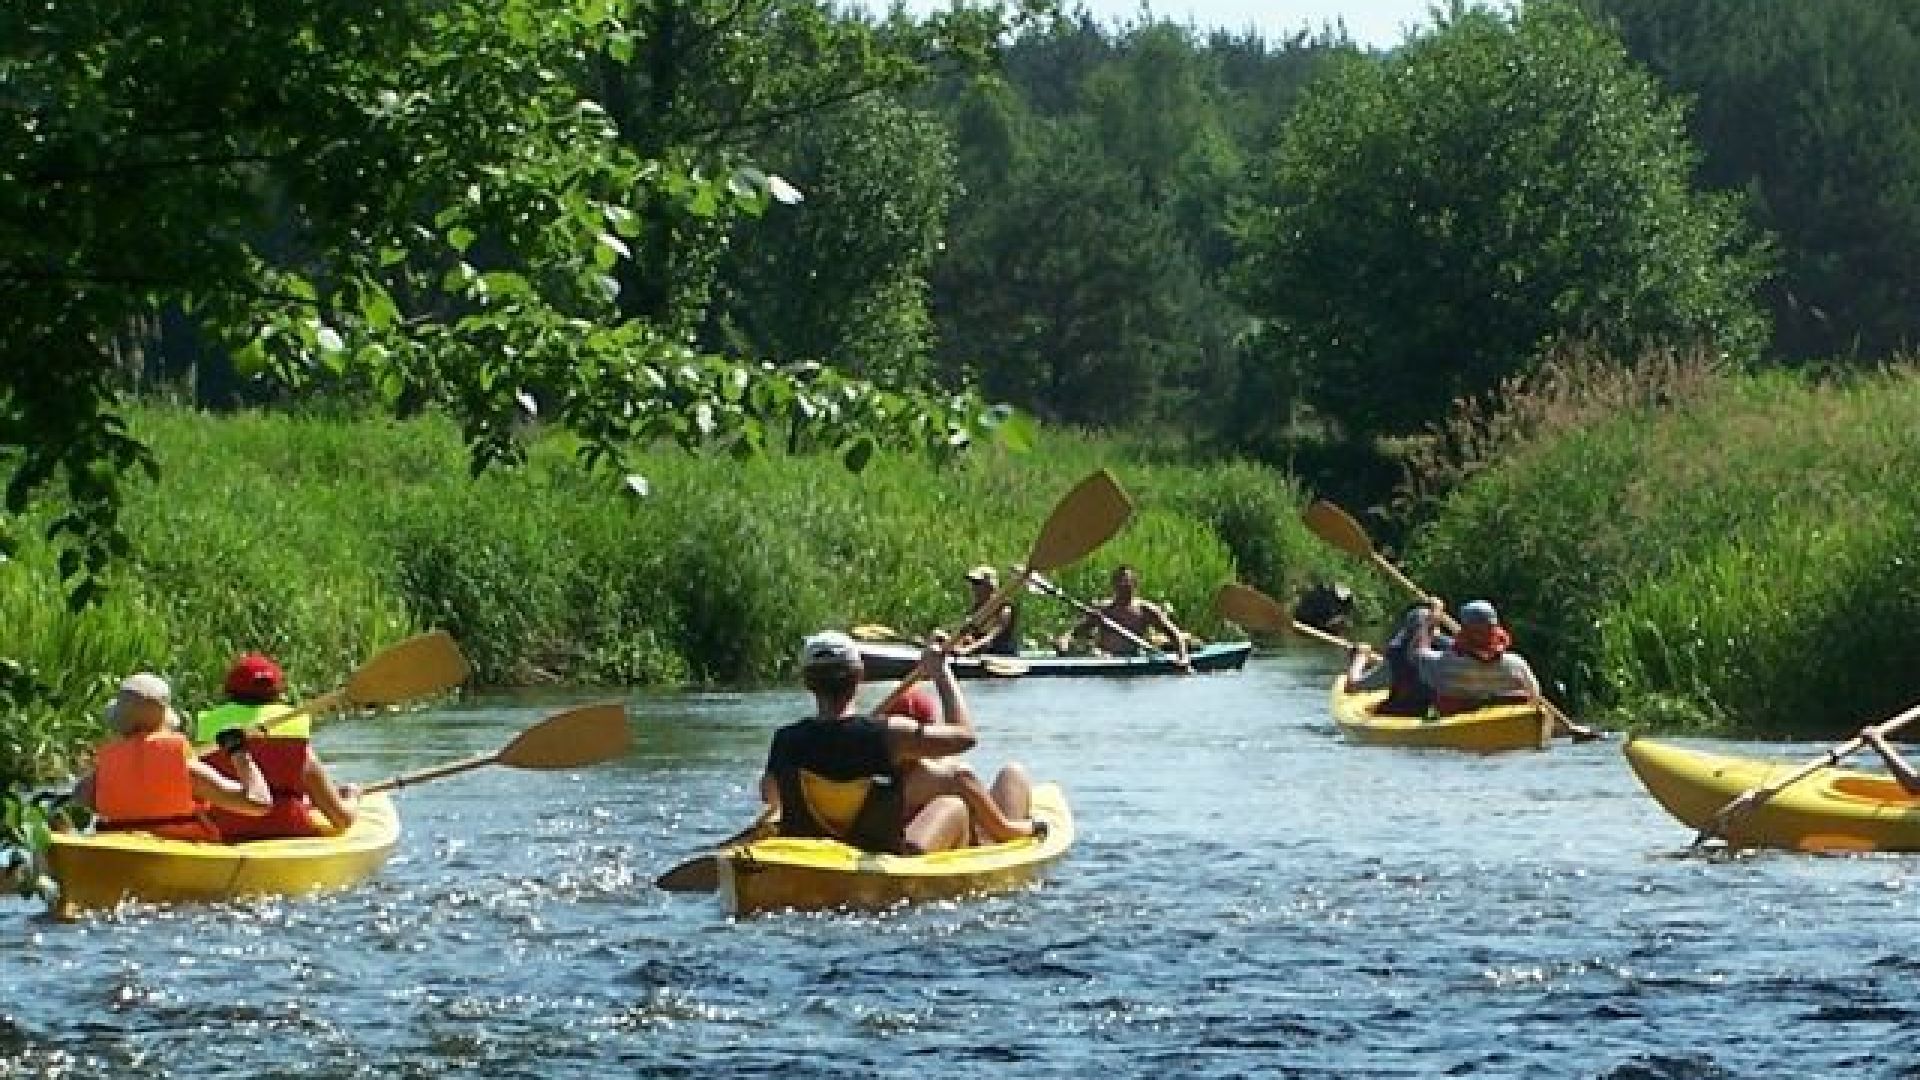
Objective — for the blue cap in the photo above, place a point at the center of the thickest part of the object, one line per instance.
(1480, 612)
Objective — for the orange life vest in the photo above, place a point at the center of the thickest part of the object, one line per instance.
(142, 782)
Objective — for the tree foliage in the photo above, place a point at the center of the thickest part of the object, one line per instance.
(840, 275)
(422, 199)
(1431, 219)
(1810, 107)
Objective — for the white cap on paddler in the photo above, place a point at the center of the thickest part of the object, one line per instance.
(829, 649)
(143, 686)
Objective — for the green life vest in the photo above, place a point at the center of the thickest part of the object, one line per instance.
(234, 714)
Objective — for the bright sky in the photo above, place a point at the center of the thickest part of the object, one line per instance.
(1372, 23)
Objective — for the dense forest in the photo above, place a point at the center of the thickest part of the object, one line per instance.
(783, 225)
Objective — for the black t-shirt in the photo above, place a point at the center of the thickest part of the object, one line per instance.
(841, 751)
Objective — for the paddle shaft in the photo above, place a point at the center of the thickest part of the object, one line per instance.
(1318, 634)
(1085, 608)
(1751, 799)
(701, 873)
(433, 773)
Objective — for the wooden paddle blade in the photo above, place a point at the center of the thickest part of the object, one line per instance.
(1336, 527)
(425, 664)
(700, 874)
(876, 632)
(1251, 608)
(1085, 518)
(568, 740)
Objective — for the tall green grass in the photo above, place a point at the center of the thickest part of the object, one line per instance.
(1744, 564)
(320, 540)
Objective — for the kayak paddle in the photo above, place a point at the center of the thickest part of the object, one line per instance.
(1255, 610)
(1752, 798)
(1337, 527)
(566, 740)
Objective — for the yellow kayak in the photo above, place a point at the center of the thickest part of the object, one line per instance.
(783, 873)
(99, 870)
(1832, 810)
(1484, 731)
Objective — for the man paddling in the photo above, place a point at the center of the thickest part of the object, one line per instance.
(1480, 668)
(1000, 635)
(849, 776)
(1126, 610)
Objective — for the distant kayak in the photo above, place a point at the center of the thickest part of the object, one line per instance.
(1832, 810)
(791, 873)
(99, 870)
(1486, 731)
(886, 660)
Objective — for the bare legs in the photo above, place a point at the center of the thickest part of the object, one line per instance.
(936, 788)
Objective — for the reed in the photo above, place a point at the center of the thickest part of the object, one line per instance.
(1742, 565)
(321, 539)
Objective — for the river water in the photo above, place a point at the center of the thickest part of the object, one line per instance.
(1248, 896)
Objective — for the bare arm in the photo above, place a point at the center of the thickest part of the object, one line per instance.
(911, 740)
(973, 643)
(1363, 676)
(248, 796)
(337, 804)
(1159, 617)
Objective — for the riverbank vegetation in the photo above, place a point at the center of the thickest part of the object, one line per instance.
(806, 238)
(1696, 551)
(320, 539)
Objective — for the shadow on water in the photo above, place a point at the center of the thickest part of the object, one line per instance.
(1248, 896)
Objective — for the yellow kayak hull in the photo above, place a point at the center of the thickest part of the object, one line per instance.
(1832, 810)
(1483, 731)
(100, 870)
(790, 873)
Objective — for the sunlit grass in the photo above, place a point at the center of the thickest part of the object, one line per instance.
(1745, 564)
(320, 540)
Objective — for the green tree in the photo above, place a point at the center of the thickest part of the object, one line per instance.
(1808, 107)
(416, 197)
(1433, 218)
(839, 277)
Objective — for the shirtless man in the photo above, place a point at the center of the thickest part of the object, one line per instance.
(1128, 610)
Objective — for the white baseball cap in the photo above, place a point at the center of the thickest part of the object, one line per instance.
(829, 649)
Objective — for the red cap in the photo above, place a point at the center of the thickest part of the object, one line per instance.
(255, 675)
(922, 705)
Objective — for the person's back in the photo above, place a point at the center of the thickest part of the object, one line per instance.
(282, 748)
(142, 781)
(1480, 668)
(147, 778)
(850, 752)
(1408, 693)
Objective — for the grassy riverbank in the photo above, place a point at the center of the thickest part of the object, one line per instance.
(1744, 564)
(320, 540)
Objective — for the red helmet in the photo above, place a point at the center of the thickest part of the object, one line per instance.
(255, 675)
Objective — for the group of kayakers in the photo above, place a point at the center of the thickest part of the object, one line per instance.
(891, 778)
(255, 775)
(1117, 626)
